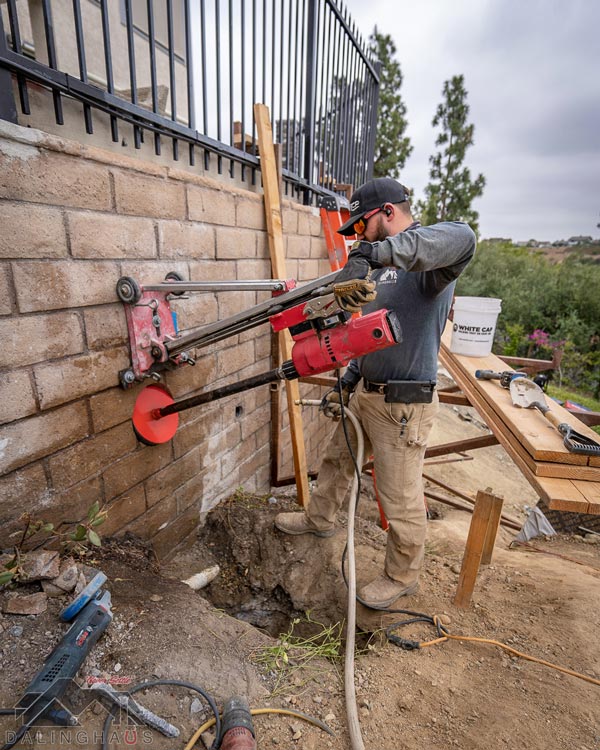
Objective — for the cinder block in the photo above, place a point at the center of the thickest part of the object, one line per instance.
(32, 438)
(259, 269)
(235, 243)
(304, 222)
(16, 396)
(29, 174)
(35, 338)
(231, 303)
(27, 483)
(231, 461)
(191, 492)
(199, 309)
(48, 286)
(74, 503)
(213, 270)
(165, 482)
(308, 270)
(123, 510)
(157, 517)
(185, 240)
(30, 231)
(204, 432)
(251, 214)
(262, 246)
(211, 206)
(152, 272)
(149, 196)
(185, 380)
(179, 533)
(6, 296)
(318, 248)
(255, 420)
(96, 235)
(83, 375)
(91, 456)
(233, 359)
(136, 467)
(298, 247)
(105, 326)
(289, 217)
(113, 407)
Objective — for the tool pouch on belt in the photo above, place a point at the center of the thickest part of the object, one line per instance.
(409, 391)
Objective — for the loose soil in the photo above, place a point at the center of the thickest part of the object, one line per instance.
(463, 694)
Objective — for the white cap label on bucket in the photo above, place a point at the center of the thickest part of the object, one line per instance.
(474, 325)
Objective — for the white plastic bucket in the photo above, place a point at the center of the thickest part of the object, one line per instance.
(474, 325)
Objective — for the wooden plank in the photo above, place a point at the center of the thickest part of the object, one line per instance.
(559, 493)
(270, 182)
(458, 446)
(537, 435)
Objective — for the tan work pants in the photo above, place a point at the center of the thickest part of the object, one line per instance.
(396, 435)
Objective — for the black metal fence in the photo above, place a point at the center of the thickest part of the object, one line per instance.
(188, 72)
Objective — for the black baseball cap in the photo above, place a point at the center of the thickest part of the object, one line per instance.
(373, 194)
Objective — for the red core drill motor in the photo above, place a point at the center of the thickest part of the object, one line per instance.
(237, 731)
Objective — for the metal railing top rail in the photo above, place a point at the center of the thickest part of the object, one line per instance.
(190, 70)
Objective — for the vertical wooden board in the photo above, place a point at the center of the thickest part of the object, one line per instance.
(478, 532)
(268, 165)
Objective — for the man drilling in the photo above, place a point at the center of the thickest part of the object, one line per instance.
(411, 270)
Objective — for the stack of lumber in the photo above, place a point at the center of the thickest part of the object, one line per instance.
(567, 481)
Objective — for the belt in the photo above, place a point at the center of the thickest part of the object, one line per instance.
(403, 391)
(370, 387)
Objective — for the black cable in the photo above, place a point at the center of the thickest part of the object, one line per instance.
(209, 699)
(23, 730)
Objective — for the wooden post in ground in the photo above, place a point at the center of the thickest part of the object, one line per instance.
(270, 180)
(480, 543)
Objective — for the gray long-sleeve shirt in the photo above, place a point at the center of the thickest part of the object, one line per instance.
(421, 266)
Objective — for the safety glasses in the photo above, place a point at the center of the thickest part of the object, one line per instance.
(360, 225)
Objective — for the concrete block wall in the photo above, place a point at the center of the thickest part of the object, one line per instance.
(73, 219)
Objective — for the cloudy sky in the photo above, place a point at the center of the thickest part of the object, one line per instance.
(532, 72)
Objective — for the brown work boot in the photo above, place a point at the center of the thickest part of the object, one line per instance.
(298, 523)
(384, 590)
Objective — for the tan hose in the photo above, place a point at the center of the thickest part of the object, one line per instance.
(356, 742)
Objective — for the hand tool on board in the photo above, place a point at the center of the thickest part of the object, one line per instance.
(504, 377)
(528, 395)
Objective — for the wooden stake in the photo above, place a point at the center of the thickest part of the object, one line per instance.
(482, 533)
(270, 181)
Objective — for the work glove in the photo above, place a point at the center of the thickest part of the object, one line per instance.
(360, 262)
(353, 287)
(331, 402)
(351, 295)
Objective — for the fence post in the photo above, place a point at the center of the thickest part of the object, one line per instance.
(373, 126)
(310, 103)
(8, 108)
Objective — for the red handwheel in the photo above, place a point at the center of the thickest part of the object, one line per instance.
(150, 427)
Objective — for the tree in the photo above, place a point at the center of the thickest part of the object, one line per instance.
(451, 190)
(392, 148)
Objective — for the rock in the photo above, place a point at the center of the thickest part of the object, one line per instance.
(208, 739)
(41, 564)
(16, 631)
(31, 604)
(68, 576)
(80, 585)
(51, 590)
(196, 706)
(156, 598)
